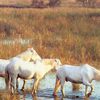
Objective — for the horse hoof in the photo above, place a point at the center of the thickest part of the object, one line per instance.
(33, 93)
(22, 89)
(88, 95)
(12, 93)
(54, 94)
(77, 96)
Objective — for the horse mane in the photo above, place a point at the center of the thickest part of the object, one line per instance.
(47, 61)
(23, 53)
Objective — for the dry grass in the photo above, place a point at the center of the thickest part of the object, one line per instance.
(7, 96)
(71, 34)
(17, 2)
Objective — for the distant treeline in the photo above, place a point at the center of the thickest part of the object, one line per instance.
(49, 3)
(53, 3)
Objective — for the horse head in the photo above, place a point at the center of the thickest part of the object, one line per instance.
(34, 54)
(56, 63)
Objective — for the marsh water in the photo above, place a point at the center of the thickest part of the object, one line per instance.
(46, 89)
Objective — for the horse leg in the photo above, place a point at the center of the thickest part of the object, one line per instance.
(35, 86)
(88, 84)
(7, 81)
(86, 90)
(62, 84)
(91, 86)
(57, 86)
(24, 81)
(17, 84)
(13, 84)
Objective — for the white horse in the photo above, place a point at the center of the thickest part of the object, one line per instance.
(46, 61)
(83, 74)
(29, 54)
(28, 70)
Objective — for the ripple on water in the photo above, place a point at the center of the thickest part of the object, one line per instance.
(46, 89)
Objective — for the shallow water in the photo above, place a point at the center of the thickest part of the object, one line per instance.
(46, 89)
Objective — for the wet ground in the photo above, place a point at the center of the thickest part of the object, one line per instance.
(46, 89)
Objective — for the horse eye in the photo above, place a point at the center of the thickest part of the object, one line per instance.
(56, 60)
(32, 51)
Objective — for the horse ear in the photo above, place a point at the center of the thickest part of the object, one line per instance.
(32, 50)
(58, 61)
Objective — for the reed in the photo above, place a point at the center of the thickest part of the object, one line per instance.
(69, 34)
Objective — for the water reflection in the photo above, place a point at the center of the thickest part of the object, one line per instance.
(46, 90)
(27, 97)
(46, 94)
(39, 98)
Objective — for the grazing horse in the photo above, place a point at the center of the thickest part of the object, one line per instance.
(83, 74)
(46, 61)
(29, 54)
(28, 70)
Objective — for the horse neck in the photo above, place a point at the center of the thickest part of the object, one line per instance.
(47, 61)
(25, 56)
(48, 68)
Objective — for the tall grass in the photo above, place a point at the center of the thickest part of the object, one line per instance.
(71, 34)
(6, 96)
